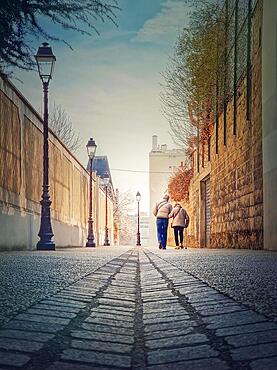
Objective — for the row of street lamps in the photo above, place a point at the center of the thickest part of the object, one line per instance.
(46, 61)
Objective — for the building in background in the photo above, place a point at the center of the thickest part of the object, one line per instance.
(144, 228)
(162, 164)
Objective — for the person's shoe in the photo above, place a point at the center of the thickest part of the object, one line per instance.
(177, 247)
(160, 245)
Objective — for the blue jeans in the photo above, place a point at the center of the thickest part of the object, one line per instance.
(162, 224)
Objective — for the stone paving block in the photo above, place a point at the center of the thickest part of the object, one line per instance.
(49, 307)
(121, 290)
(127, 315)
(109, 322)
(91, 345)
(42, 319)
(157, 288)
(165, 309)
(54, 313)
(264, 364)
(86, 292)
(212, 303)
(248, 328)
(166, 319)
(233, 319)
(250, 339)
(213, 295)
(55, 302)
(33, 326)
(206, 363)
(114, 308)
(70, 366)
(108, 329)
(154, 285)
(179, 341)
(116, 303)
(104, 337)
(151, 328)
(65, 301)
(156, 293)
(73, 297)
(97, 358)
(180, 311)
(254, 352)
(163, 306)
(124, 297)
(168, 333)
(112, 316)
(217, 310)
(195, 289)
(180, 354)
(13, 359)
(20, 345)
(155, 299)
(27, 335)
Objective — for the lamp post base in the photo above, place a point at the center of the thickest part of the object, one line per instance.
(46, 246)
(90, 243)
(138, 240)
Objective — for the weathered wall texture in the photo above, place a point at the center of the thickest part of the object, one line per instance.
(21, 151)
(236, 174)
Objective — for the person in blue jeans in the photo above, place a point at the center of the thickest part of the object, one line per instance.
(162, 210)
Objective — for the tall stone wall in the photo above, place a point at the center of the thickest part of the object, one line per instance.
(236, 173)
(21, 158)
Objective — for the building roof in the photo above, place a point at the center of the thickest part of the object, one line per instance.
(101, 166)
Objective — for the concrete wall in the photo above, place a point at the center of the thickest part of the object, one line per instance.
(269, 99)
(21, 150)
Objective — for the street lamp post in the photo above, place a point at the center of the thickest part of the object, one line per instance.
(91, 149)
(45, 61)
(106, 181)
(138, 197)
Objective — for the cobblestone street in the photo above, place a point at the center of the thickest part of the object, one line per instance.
(139, 308)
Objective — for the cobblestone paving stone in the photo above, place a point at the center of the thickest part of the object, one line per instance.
(138, 311)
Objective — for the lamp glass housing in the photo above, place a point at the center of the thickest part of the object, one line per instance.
(91, 148)
(138, 196)
(45, 61)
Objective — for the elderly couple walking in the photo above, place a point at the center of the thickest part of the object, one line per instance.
(164, 211)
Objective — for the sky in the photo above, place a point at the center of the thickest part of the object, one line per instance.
(110, 86)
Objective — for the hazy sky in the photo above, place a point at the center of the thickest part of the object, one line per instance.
(110, 85)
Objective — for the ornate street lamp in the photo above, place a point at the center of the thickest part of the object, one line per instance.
(45, 61)
(138, 197)
(91, 149)
(106, 181)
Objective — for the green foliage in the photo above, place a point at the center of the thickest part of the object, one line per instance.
(190, 80)
(21, 21)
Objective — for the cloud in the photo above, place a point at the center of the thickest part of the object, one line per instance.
(164, 27)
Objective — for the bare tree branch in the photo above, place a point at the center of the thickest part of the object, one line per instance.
(62, 126)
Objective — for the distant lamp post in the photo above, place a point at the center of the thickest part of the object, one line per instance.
(106, 181)
(138, 197)
(45, 61)
(91, 149)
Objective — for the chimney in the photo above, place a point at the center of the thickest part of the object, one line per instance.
(164, 147)
(154, 142)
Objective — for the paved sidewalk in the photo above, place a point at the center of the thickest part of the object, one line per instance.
(138, 311)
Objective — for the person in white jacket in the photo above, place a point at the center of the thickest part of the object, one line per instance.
(162, 210)
(180, 221)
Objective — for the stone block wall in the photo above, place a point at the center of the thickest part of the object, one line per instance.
(236, 172)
